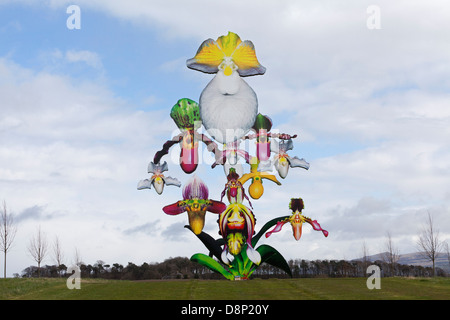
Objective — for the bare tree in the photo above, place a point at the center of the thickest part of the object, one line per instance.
(391, 255)
(7, 232)
(365, 254)
(429, 242)
(38, 247)
(78, 261)
(57, 253)
(447, 250)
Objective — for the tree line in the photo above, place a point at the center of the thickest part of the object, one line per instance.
(183, 268)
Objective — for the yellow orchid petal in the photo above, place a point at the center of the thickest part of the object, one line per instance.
(246, 177)
(271, 177)
(196, 220)
(208, 58)
(245, 58)
(229, 43)
(212, 53)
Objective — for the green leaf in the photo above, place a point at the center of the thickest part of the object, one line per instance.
(271, 256)
(212, 264)
(266, 227)
(237, 264)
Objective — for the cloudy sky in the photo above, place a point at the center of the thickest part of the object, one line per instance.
(82, 112)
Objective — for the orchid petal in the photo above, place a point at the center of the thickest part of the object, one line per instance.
(158, 184)
(253, 255)
(316, 226)
(270, 177)
(296, 162)
(211, 53)
(157, 168)
(224, 256)
(282, 166)
(196, 220)
(250, 220)
(175, 208)
(216, 206)
(286, 145)
(172, 181)
(195, 188)
(245, 58)
(151, 168)
(144, 184)
(189, 158)
(277, 228)
(297, 229)
(246, 177)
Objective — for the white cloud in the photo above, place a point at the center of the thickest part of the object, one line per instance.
(70, 155)
(90, 58)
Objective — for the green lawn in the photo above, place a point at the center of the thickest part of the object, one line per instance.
(274, 289)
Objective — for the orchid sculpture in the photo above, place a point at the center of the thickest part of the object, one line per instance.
(229, 157)
(283, 161)
(237, 225)
(262, 126)
(256, 188)
(237, 222)
(196, 203)
(228, 105)
(297, 220)
(158, 180)
(263, 136)
(228, 111)
(185, 114)
(245, 262)
(233, 189)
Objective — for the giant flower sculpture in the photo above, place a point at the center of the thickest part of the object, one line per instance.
(237, 222)
(256, 188)
(297, 219)
(195, 202)
(228, 110)
(283, 161)
(185, 114)
(228, 105)
(158, 180)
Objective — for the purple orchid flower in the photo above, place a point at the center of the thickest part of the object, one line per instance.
(195, 202)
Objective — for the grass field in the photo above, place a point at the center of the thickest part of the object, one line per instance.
(273, 289)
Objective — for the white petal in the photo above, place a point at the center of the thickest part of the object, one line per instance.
(144, 184)
(253, 255)
(224, 257)
(296, 162)
(172, 181)
(159, 187)
(282, 168)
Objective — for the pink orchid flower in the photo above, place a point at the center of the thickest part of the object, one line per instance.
(297, 220)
